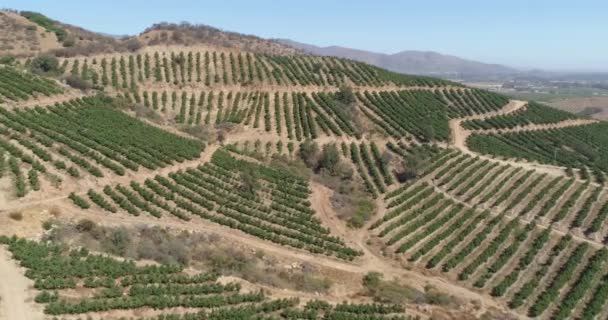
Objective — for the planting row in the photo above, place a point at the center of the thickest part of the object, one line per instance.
(75, 282)
(526, 266)
(271, 204)
(214, 68)
(19, 85)
(572, 147)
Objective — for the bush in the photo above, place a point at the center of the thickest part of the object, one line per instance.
(78, 83)
(434, 296)
(8, 59)
(372, 279)
(345, 95)
(388, 291)
(329, 159)
(17, 216)
(69, 42)
(45, 64)
(309, 153)
(85, 225)
(365, 210)
(47, 225)
(117, 242)
(133, 44)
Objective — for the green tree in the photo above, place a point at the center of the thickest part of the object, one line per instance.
(345, 95)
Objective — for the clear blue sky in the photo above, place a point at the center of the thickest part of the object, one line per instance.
(551, 34)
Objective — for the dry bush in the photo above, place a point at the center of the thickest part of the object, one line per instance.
(78, 83)
(207, 252)
(16, 215)
(147, 113)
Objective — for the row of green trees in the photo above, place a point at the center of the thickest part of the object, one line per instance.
(572, 147)
(533, 113)
(229, 68)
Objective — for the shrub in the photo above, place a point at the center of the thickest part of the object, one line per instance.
(388, 291)
(85, 225)
(365, 210)
(133, 44)
(45, 64)
(47, 225)
(345, 95)
(78, 83)
(69, 42)
(329, 159)
(117, 242)
(309, 153)
(7, 59)
(434, 296)
(17, 216)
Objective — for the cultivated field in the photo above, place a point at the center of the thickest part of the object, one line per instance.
(358, 192)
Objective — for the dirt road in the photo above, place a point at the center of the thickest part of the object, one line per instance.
(16, 302)
(460, 135)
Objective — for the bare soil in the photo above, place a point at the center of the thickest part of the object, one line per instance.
(580, 104)
(16, 296)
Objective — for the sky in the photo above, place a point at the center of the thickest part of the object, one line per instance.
(547, 34)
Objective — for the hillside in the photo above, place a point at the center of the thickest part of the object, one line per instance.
(19, 36)
(412, 62)
(28, 33)
(218, 176)
(185, 34)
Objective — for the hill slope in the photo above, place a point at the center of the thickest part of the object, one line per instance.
(297, 176)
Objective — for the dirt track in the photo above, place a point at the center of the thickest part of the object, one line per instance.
(460, 135)
(16, 302)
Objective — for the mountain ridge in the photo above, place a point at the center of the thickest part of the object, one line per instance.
(411, 61)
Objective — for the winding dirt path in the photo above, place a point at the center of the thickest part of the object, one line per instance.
(15, 300)
(460, 135)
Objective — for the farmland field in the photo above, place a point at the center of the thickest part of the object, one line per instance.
(193, 173)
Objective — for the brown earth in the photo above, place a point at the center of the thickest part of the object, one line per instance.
(21, 37)
(16, 296)
(577, 105)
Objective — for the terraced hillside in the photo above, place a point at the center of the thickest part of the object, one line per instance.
(467, 203)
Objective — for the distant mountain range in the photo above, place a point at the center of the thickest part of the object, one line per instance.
(413, 62)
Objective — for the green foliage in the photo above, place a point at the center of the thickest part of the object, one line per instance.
(345, 95)
(18, 85)
(46, 23)
(364, 212)
(577, 146)
(309, 153)
(534, 113)
(387, 291)
(329, 158)
(79, 201)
